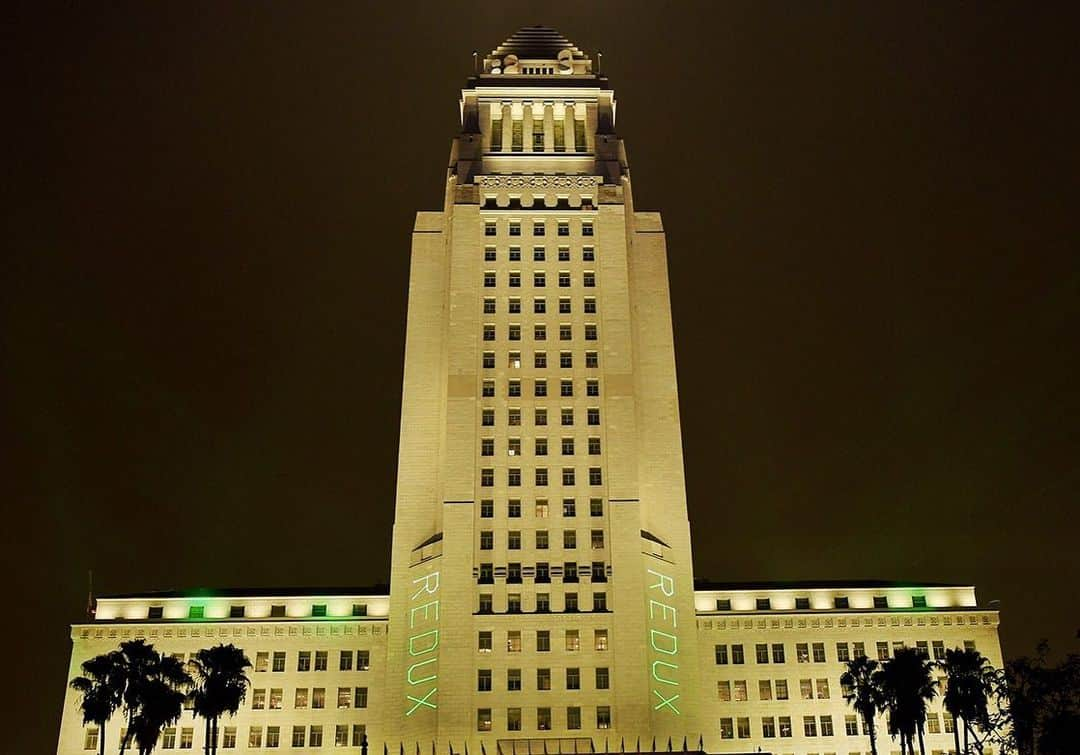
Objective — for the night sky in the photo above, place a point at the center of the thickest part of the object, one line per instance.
(872, 225)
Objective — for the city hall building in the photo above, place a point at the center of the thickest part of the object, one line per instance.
(542, 596)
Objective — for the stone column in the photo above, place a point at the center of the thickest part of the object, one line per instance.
(568, 127)
(507, 128)
(549, 128)
(527, 127)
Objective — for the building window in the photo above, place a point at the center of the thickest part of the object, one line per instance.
(540, 388)
(541, 477)
(596, 477)
(540, 418)
(590, 332)
(768, 727)
(823, 689)
(487, 540)
(918, 601)
(488, 389)
(539, 280)
(513, 333)
(513, 360)
(600, 640)
(513, 417)
(543, 678)
(602, 678)
(802, 652)
(543, 719)
(599, 602)
(539, 359)
(487, 446)
(723, 604)
(809, 726)
(819, 652)
(806, 689)
(318, 698)
(568, 477)
(603, 717)
(513, 447)
(487, 478)
(515, 227)
(538, 228)
(939, 650)
(540, 511)
(489, 228)
(155, 612)
(315, 738)
(933, 723)
(488, 360)
(778, 652)
(763, 604)
(737, 654)
(543, 641)
(489, 306)
(570, 602)
(781, 689)
(826, 726)
(883, 651)
(566, 360)
(487, 418)
(513, 600)
(543, 602)
(597, 537)
(538, 254)
(593, 416)
(569, 539)
(743, 727)
(277, 611)
(740, 691)
(727, 728)
(483, 719)
(564, 254)
(513, 306)
(592, 359)
(513, 680)
(564, 228)
(573, 641)
(543, 571)
(842, 654)
(303, 660)
(513, 478)
(344, 697)
(765, 689)
(881, 601)
(569, 507)
(541, 447)
(573, 678)
(586, 226)
(590, 305)
(483, 642)
(721, 655)
(513, 642)
(513, 719)
(539, 333)
(489, 254)
(90, 740)
(564, 279)
(573, 717)
(567, 417)
(196, 612)
(588, 254)
(566, 388)
(761, 651)
(300, 700)
(489, 279)
(588, 280)
(485, 605)
(592, 387)
(539, 306)
(564, 306)
(363, 660)
(487, 509)
(841, 602)
(487, 574)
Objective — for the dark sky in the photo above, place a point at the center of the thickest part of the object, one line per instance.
(872, 225)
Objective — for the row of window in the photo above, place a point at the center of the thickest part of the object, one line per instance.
(540, 508)
(539, 140)
(542, 540)
(540, 477)
(540, 389)
(345, 735)
(571, 640)
(539, 227)
(566, 307)
(540, 417)
(275, 662)
(601, 679)
(277, 611)
(805, 652)
(540, 446)
(315, 698)
(814, 726)
(543, 718)
(566, 332)
(840, 601)
(543, 603)
(736, 690)
(542, 571)
(539, 253)
(540, 360)
(513, 280)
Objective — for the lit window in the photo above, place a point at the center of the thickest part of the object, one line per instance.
(483, 719)
(600, 639)
(513, 642)
(541, 511)
(318, 698)
(300, 700)
(573, 640)
(569, 507)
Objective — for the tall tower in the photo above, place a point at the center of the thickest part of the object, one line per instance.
(541, 582)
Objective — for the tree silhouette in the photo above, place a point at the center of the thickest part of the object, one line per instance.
(906, 685)
(160, 704)
(221, 684)
(862, 693)
(967, 690)
(145, 673)
(100, 688)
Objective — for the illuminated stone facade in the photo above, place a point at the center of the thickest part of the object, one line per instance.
(542, 592)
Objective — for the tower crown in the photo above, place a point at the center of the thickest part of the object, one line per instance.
(537, 51)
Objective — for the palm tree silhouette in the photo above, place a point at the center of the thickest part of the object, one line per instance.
(862, 694)
(967, 690)
(100, 688)
(144, 672)
(161, 703)
(221, 684)
(906, 683)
